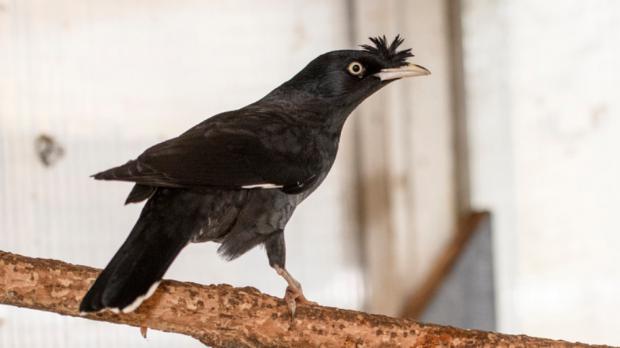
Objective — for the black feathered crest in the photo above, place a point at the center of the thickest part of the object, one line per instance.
(389, 53)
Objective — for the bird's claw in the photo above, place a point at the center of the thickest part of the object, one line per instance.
(294, 296)
(143, 331)
(291, 301)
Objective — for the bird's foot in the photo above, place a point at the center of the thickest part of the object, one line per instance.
(294, 295)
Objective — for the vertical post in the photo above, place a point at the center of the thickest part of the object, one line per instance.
(405, 153)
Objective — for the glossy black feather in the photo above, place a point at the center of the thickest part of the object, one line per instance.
(140, 193)
(232, 150)
(167, 223)
(390, 52)
(198, 184)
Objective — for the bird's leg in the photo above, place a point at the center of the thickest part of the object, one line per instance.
(276, 253)
(293, 290)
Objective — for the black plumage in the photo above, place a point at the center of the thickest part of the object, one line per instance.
(237, 177)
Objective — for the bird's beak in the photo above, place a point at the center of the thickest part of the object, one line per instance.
(403, 71)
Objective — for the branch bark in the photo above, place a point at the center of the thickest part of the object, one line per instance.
(223, 316)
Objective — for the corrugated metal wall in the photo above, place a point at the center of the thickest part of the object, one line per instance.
(106, 79)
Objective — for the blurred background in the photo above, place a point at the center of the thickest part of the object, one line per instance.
(482, 196)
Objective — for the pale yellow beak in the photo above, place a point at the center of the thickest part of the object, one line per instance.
(404, 71)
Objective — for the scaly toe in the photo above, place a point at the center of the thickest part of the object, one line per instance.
(291, 300)
(302, 300)
(296, 295)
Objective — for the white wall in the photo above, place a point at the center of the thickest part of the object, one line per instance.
(108, 79)
(543, 106)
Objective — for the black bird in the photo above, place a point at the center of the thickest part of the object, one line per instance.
(237, 177)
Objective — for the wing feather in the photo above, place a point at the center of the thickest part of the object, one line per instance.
(215, 156)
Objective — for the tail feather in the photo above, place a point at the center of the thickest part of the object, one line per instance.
(139, 193)
(166, 224)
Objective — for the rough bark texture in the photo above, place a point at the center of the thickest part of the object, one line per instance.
(223, 316)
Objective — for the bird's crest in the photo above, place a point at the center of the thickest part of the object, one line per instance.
(388, 52)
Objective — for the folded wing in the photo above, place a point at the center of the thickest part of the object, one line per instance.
(227, 158)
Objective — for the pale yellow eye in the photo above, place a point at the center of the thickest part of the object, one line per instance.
(356, 69)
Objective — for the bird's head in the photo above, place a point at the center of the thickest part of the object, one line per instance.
(345, 78)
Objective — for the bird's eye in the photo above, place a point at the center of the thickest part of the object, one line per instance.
(356, 69)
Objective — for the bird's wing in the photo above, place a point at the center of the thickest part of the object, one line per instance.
(226, 159)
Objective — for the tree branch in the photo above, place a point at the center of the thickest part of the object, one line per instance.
(223, 316)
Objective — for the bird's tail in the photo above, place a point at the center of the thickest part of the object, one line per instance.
(166, 225)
